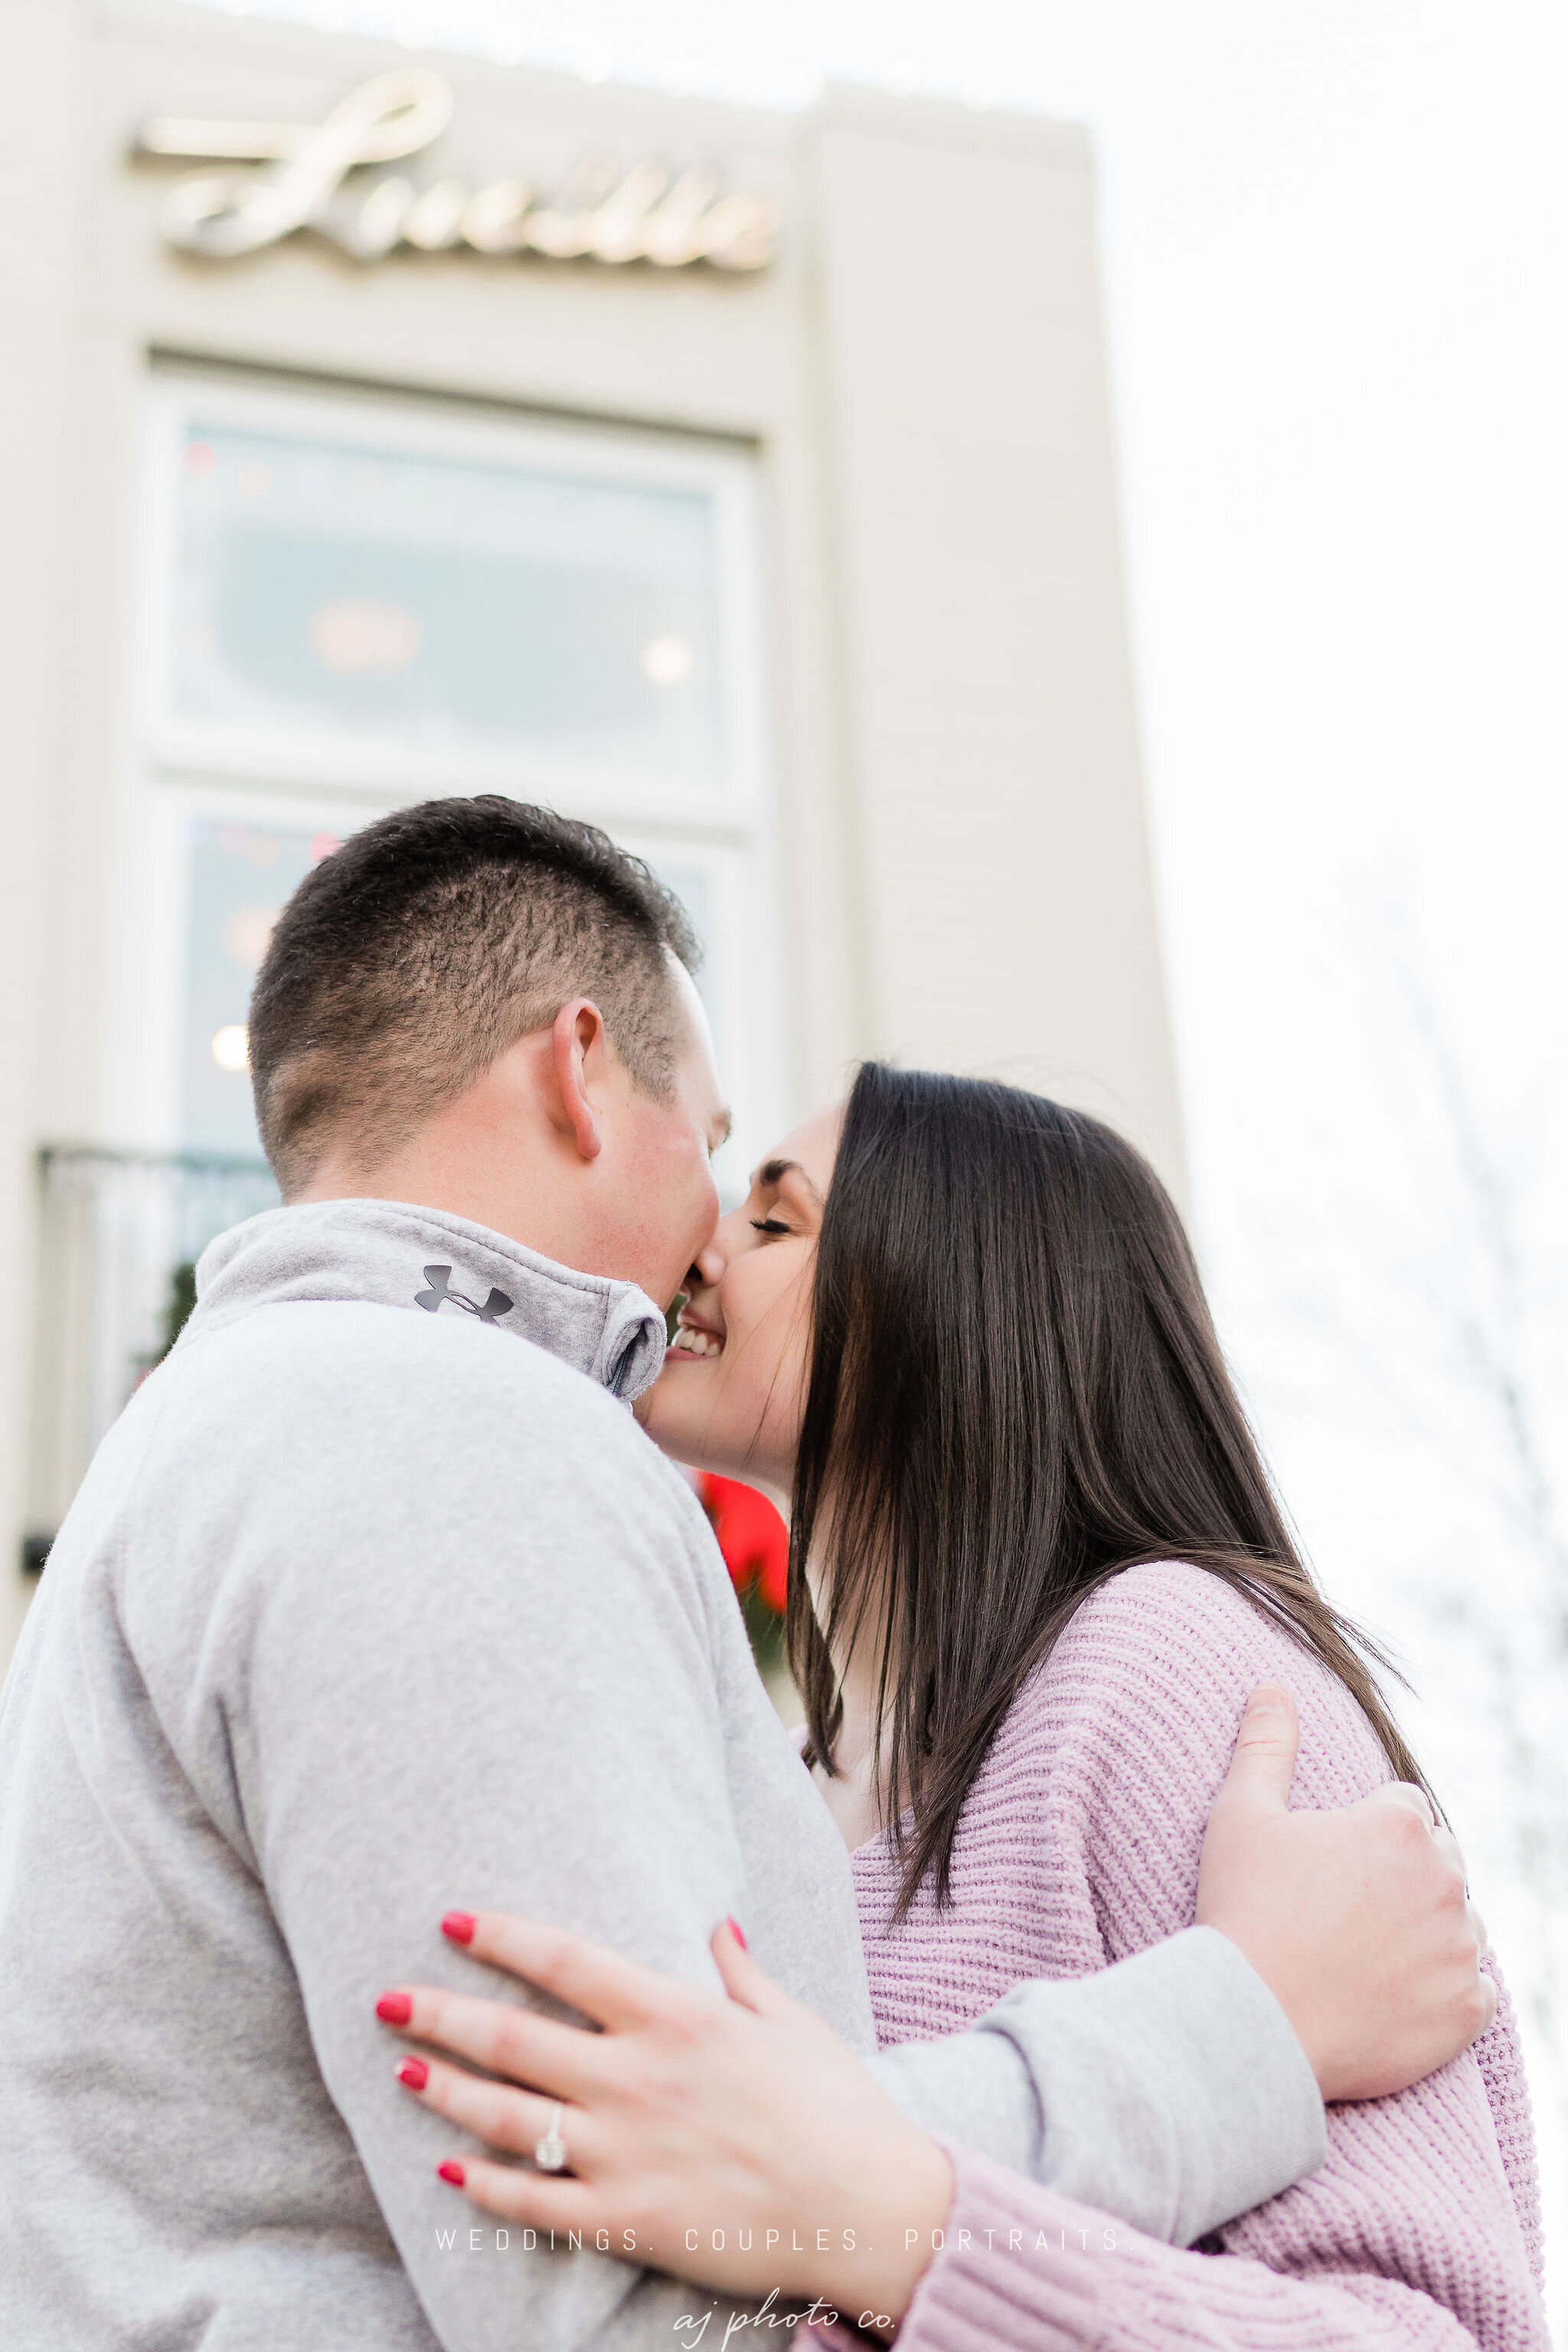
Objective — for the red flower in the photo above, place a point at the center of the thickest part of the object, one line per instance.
(752, 1536)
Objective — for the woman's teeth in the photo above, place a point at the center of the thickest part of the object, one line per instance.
(697, 1343)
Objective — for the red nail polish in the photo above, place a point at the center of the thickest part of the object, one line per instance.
(395, 2008)
(739, 1933)
(452, 2172)
(414, 2073)
(460, 1926)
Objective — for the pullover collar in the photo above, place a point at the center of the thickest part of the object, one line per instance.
(387, 1254)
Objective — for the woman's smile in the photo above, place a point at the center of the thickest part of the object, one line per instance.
(694, 1336)
(745, 1317)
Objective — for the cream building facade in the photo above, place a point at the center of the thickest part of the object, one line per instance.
(744, 482)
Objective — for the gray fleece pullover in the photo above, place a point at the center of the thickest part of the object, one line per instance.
(375, 1602)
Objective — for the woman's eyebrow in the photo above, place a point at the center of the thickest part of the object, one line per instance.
(772, 1171)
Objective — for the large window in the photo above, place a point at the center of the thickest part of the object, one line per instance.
(351, 604)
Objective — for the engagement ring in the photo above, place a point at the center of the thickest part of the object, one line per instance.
(550, 2153)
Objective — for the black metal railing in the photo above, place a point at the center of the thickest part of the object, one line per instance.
(119, 1235)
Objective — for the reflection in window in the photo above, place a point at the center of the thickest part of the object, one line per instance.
(449, 601)
(238, 878)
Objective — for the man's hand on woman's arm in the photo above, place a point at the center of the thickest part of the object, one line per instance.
(1358, 1921)
(1185, 2085)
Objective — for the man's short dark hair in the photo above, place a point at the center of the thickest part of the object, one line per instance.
(407, 960)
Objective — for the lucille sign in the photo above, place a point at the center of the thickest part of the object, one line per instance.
(309, 175)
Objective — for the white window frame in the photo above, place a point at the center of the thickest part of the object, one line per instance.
(311, 780)
(391, 767)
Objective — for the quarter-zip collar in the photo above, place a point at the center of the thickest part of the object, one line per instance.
(391, 1255)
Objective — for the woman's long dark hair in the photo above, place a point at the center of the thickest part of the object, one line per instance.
(1015, 1391)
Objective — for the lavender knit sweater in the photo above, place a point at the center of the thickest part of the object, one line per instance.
(1078, 1845)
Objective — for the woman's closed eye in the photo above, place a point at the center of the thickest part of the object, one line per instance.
(770, 1225)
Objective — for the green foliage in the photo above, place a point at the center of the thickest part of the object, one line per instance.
(765, 1628)
(181, 1304)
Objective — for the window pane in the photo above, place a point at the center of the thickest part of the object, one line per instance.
(238, 877)
(694, 885)
(448, 602)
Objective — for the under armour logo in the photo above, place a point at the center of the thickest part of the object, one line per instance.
(496, 1305)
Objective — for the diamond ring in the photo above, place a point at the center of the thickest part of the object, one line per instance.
(550, 2153)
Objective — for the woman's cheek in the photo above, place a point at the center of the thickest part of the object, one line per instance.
(781, 1411)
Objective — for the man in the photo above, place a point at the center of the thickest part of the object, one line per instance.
(375, 1591)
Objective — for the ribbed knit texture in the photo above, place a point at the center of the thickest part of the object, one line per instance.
(1078, 1845)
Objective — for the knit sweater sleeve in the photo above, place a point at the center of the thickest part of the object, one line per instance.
(1422, 2228)
(1021, 2270)
(1508, 2094)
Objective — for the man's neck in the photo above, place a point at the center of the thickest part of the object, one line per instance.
(516, 1213)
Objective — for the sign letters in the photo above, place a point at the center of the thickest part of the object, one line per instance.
(310, 175)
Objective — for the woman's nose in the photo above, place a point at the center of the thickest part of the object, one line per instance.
(707, 1266)
(731, 1232)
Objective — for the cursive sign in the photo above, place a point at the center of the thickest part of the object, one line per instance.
(310, 175)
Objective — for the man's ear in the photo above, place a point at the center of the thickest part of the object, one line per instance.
(577, 1047)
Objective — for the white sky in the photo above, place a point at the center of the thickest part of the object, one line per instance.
(1334, 243)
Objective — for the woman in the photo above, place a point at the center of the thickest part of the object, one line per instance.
(1036, 1567)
